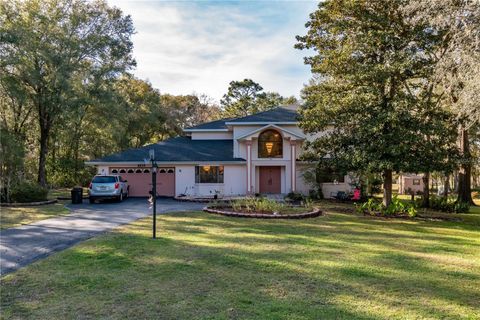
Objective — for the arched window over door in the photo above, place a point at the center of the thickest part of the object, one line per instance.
(270, 144)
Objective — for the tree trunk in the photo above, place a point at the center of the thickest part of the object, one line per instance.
(387, 187)
(45, 124)
(42, 173)
(446, 186)
(464, 174)
(455, 181)
(426, 190)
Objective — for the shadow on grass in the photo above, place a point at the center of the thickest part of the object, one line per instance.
(205, 266)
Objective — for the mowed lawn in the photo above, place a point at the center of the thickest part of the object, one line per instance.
(203, 266)
(17, 216)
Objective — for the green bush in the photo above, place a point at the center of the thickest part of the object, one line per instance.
(461, 207)
(448, 205)
(28, 192)
(315, 194)
(295, 196)
(396, 207)
(371, 206)
(256, 205)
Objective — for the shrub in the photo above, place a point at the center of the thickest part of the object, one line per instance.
(448, 205)
(28, 192)
(396, 207)
(371, 206)
(315, 194)
(256, 205)
(3, 195)
(376, 185)
(295, 196)
(461, 207)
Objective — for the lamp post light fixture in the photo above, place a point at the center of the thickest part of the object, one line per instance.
(154, 191)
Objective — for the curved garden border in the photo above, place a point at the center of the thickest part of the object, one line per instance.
(315, 213)
(28, 204)
(201, 200)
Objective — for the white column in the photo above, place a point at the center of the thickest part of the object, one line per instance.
(293, 157)
(249, 167)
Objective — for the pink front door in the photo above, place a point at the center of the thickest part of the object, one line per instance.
(140, 181)
(270, 180)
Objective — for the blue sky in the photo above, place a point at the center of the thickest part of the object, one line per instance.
(185, 47)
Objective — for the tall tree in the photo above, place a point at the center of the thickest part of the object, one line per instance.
(456, 69)
(247, 97)
(51, 47)
(366, 58)
(188, 110)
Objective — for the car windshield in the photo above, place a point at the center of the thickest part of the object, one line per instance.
(103, 179)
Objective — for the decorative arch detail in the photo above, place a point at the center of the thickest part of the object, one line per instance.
(270, 144)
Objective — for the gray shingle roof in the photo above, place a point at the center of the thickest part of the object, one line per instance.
(213, 125)
(279, 114)
(178, 149)
(276, 115)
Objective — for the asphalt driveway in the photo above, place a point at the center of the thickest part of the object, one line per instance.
(23, 245)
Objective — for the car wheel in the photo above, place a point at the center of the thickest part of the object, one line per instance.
(91, 200)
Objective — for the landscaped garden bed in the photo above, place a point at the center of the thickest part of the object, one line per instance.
(264, 209)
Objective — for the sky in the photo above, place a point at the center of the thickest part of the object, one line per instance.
(185, 47)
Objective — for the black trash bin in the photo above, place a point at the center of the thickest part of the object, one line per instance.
(77, 195)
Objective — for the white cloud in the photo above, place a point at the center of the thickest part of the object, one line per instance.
(185, 47)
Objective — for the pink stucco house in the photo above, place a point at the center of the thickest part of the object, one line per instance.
(253, 154)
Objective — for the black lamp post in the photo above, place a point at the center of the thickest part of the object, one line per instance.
(154, 191)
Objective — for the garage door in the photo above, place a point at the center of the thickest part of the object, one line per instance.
(140, 180)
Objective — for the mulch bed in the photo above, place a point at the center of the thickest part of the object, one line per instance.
(417, 217)
(225, 212)
(28, 204)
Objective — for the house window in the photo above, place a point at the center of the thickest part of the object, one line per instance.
(114, 171)
(416, 182)
(138, 171)
(122, 171)
(146, 171)
(130, 171)
(209, 174)
(270, 144)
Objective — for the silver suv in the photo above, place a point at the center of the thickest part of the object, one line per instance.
(108, 187)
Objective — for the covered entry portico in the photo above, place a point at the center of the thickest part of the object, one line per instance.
(271, 153)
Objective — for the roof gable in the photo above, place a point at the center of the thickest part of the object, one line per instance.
(285, 132)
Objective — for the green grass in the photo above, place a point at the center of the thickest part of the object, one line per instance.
(63, 192)
(202, 266)
(16, 216)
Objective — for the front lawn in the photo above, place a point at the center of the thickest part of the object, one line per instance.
(204, 266)
(63, 192)
(16, 216)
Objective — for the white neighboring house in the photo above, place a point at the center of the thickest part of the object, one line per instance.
(242, 156)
